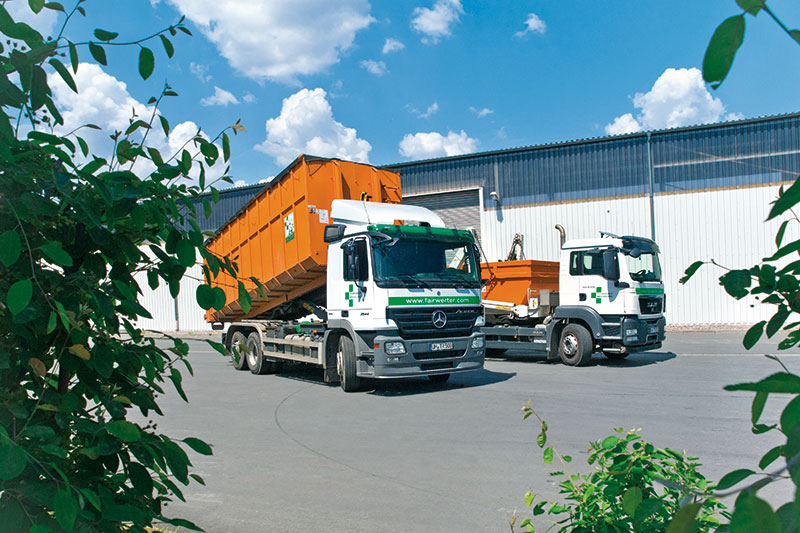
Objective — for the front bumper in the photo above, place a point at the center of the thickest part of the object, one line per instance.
(420, 360)
(638, 334)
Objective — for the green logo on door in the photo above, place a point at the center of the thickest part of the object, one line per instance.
(348, 295)
(596, 295)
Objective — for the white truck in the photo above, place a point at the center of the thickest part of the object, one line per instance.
(610, 298)
(401, 298)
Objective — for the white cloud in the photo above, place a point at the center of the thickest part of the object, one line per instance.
(220, 97)
(432, 109)
(44, 22)
(376, 68)
(437, 22)
(392, 45)
(433, 144)
(201, 71)
(679, 97)
(306, 125)
(481, 112)
(533, 24)
(279, 41)
(105, 101)
(249, 98)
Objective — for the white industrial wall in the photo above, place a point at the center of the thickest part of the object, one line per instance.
(161, 304)
(725, 225)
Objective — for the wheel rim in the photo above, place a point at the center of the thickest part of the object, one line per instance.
(339, 363)
(251, 355)
(235, 352)
(570, 344)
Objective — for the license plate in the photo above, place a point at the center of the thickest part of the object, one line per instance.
(439, 346)
(653, 329)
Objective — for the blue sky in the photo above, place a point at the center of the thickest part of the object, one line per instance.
(386, 82)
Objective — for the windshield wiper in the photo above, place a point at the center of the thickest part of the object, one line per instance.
(462, 281)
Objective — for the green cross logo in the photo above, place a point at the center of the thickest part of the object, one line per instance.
(348, 295)
(596, 295)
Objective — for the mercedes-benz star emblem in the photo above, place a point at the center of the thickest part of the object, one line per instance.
(439, 319)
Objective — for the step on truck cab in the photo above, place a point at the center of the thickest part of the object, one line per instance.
(610, 298)
(363, 289)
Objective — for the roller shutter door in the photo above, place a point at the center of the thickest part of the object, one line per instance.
(459, 209)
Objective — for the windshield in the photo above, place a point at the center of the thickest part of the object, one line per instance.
(425, 263)
(644, 268)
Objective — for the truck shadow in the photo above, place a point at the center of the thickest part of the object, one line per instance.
(403, 386)
(633, 360)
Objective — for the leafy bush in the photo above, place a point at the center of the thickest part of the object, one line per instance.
(634, 487)
(74, 227)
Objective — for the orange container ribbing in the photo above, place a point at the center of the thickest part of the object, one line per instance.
(278, 236)
(509, 281)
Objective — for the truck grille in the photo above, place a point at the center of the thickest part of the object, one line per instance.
(418, 323)
(442, 354)
(650, 305)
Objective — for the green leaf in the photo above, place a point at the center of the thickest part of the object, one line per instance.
(177, 460)
(609, 442)
(795, 35)
(73, 56)
(690, 271)
(186, 253)
(529, 497)
(64, 73)
(58, 256)
(103, 35)
(146, 62)
(92, 497)
(207, 208)
(541, 440)
(52, 322)
(722, 48)
(10, 247)
(198, 445)
(736, 283)
(753, 515)
(777, 320)
(219, 298)
(66, 509)
(770, 457)
(547, 455)
(751, 6)
(790, 415)
(12, 460)
(780, 383)
(786, 200)
(244, 299)
(733, 478)
(185, 162)
(168, 48)
(39, 88)
(226, 147)
(124, 430)
(36, 5)
(780, 234)
(205, 296)
(753, 334)
(19, 296)
(759, 401)
(684, 520)
(631, 500)
(98, 53)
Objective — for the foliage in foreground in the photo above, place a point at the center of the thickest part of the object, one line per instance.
(75, 228)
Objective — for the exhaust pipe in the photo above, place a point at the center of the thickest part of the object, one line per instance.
(562, 234)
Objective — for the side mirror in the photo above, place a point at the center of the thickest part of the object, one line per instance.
(610, 265)
(635, 252)
(333, 233)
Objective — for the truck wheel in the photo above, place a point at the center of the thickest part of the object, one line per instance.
(575, 347)
(238, 356)
(255, 359)
(346, 365)
(616, 356)
(439, 378)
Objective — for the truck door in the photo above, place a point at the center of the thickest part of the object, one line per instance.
(357, 294)
(594, 289)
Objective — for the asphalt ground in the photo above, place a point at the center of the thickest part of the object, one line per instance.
(294, 454)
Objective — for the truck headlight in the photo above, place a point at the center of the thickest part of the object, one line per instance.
(394, 348)
(478, 342)
(631, 332)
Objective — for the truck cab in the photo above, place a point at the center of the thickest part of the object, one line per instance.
(403, 294)
(613, 286)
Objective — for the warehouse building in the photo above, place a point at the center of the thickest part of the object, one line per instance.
(701, 192)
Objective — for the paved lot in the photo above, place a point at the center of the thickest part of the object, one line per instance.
(291, 453)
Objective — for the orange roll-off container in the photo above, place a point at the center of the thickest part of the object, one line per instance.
(278, 236)
(516, 281)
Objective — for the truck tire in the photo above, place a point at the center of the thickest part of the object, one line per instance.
(255, 359)
(346, 365)
(439, 378)
(238, 357)
(575, 346)
(615, 356)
